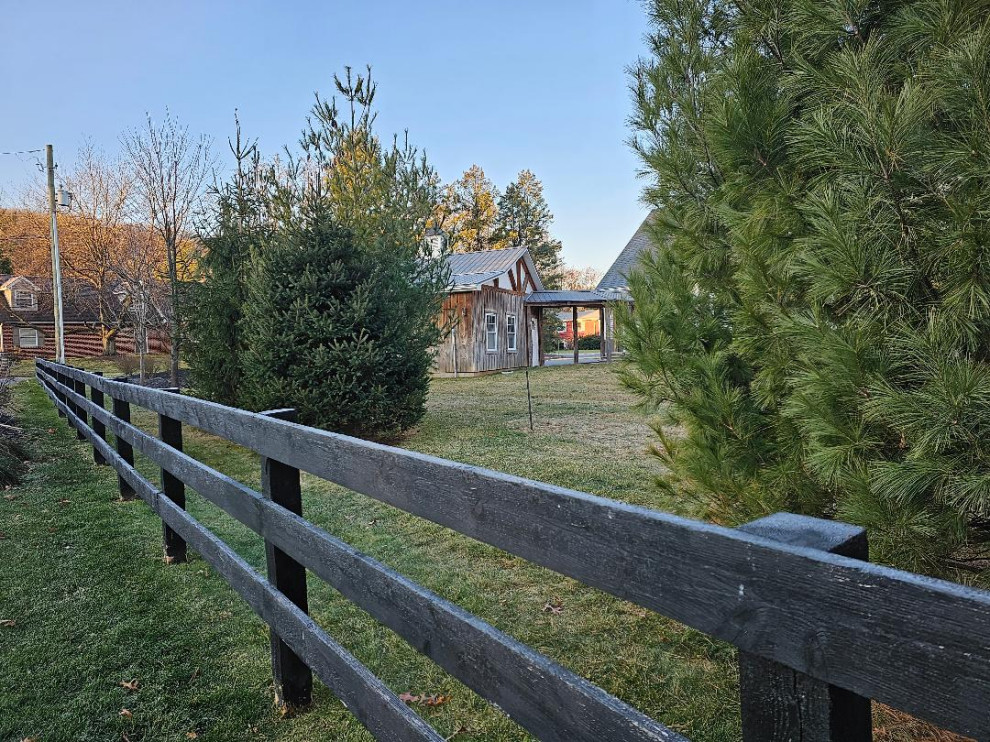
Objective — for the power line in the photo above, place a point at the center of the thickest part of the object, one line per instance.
(21, 152)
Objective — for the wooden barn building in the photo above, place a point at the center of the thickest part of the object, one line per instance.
(491, 328)
(27, 321)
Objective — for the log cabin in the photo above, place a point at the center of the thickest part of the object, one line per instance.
(27, 321)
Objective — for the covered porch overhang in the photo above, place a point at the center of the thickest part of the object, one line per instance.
(538, 301)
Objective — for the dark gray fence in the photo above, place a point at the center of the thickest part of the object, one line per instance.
(820, 631)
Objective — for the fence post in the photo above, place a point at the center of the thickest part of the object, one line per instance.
(780, 704)
(280, 483)
(170, 431)
(96, 397)
(60, 378)
(122, 411)
(58, 395)
(79, 387)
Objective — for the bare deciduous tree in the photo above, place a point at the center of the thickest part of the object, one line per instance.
(171, 168)
(102, 190)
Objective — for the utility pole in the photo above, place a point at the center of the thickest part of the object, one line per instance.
(56, 263)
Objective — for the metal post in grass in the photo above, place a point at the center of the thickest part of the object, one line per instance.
(79, 387)
(170, 432)
(280, 483)
(122, 411)
(780, 704)
(96, 396)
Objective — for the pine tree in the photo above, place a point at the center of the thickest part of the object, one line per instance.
(815, 317)
(343, 296)
(524, 219)
(234, 227)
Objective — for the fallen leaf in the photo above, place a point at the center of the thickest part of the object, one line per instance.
(64, 501)
(10, 498)
(373, 522)
(431, 700)
(124, 737)
(461, 729)
(191, 735)
(554, 608)
(30, 739)
(125, 713)
(51, 431)
(129, 684)
(8, 623)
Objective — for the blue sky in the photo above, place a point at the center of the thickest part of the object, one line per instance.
(507, 85)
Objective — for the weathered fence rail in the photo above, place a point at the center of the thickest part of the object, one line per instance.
(820, 630)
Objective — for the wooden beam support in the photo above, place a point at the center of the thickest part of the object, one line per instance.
(79, 387)
(122, 411)
(96, 395)
(574, 333)
(780, 704)
(280, 484)
(170, 431)
(602, 342)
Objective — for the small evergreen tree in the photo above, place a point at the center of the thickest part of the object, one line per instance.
(215, 301)
(343, 296)
(817, 313)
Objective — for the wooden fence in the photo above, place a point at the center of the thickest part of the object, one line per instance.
(820, 631)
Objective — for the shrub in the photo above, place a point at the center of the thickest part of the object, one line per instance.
(590, 342)
(128, 364)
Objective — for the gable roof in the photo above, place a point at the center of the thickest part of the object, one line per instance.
(615, 282)
(471, 269)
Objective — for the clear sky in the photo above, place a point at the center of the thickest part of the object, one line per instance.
(508, 85)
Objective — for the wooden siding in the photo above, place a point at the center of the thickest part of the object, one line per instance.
(467, 310)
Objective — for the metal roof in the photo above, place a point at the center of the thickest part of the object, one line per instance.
(566, 298)
(469, 269)
(615, 283)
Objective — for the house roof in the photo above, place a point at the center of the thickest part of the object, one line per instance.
(471, 269)
(615, 282)
(566, 298)
(80, 302)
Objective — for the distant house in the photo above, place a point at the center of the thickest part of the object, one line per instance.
(589, 323)
(27, 320)
(492, 329)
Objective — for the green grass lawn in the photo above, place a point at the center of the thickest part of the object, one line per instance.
(94, 606)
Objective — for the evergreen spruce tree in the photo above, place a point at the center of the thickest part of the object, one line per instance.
(343, 296)
(216, 299)
(816, 317)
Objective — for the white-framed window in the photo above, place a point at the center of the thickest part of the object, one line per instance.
(28, 337)
(24, 300)
(491, 332)
(510, 333)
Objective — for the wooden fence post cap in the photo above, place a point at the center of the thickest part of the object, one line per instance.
(282, 413)
(812, 533)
